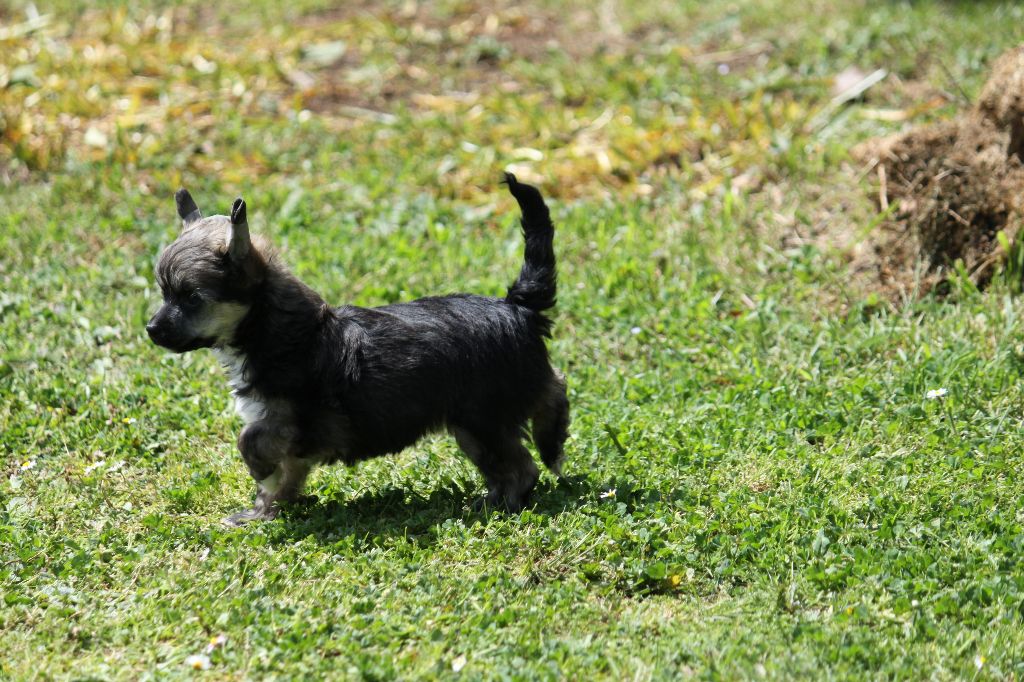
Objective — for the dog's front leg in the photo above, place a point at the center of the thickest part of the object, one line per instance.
(270, 451)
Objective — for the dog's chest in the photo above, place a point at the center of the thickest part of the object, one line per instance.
(248, 404)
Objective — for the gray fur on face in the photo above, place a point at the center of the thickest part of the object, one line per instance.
(203, 277)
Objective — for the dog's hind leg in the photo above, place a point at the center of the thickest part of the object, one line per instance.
(551, 424)
(506, 465)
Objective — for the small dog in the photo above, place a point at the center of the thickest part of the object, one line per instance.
(316, 384)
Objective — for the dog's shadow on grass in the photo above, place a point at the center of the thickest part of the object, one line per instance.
(396, 512)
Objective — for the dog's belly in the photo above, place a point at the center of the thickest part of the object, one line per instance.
(344, 440)
(332, 432)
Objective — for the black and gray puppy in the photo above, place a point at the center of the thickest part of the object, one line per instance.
(317, 384)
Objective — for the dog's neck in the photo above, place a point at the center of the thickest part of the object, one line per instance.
(276, 338)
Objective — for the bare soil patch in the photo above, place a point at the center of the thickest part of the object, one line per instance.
(958, 184)
(466, 50)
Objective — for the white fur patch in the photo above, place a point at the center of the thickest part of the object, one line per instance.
(272, 483)
(250, 408)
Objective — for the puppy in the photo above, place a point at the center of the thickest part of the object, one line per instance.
(317, 384)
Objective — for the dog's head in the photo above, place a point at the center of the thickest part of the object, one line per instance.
(209, 277)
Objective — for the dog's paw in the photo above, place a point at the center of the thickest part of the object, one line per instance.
(239, 519)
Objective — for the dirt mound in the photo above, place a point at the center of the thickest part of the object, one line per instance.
(958, 184)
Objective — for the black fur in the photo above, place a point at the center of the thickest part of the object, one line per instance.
(187, 209)
(349, 383)
(535, 287)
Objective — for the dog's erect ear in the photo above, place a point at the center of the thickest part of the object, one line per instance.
(240, 245)
(187, 209)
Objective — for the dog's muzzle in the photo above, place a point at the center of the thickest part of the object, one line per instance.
(157, 334)
(166, 334)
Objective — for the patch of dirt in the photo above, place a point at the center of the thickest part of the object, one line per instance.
(957, 183)
(464, 51)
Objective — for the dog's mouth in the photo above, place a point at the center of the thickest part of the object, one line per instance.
(194, 344)
(180, 345)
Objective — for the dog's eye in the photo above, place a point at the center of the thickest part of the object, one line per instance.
(193, 299)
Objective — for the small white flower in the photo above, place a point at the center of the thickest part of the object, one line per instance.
(198, 662)
(219, 640)
(458, 663)
(979, 661)
(635, 330)
(936, 393)
(28, 464)
(607, 495)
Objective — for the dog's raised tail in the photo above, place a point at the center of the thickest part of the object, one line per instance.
(535, 286)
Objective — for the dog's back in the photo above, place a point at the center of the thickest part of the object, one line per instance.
(450, 361)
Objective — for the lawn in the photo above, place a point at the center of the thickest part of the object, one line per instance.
(757, 484)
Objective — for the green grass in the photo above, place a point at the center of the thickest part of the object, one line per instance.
(757, 484)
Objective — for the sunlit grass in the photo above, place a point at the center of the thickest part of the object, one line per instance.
(771, 473)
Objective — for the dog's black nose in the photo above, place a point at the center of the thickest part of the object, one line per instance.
(153, 331)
